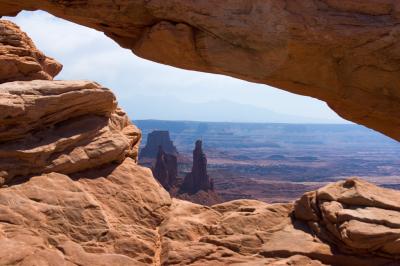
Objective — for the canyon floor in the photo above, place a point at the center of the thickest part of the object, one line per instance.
(280, 162)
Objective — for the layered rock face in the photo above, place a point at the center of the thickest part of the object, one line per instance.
(165, 169)
(354, 215)
(61, 126)
(342, 52)
(156, 139)
(198, 178)
(20, 59)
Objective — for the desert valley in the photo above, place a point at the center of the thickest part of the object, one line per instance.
(278, 162)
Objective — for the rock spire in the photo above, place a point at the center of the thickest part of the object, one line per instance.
(198, 179)
(165, 169)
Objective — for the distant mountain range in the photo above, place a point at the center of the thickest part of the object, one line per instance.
(272, 135)
(216, 111)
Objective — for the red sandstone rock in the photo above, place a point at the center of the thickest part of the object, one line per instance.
(61, 126)
(101, 217)
(356, 216)
(20, 59)
(342, 52)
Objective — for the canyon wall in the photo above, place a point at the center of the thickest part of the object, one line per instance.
(345, 53)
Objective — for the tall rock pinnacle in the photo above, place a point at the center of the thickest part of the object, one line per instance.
(198, 179)
(166, 168)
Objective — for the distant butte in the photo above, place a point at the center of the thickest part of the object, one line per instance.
(156, 139)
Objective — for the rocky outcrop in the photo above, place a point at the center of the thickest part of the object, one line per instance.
(342, 52)
(165, 169)
(198, 178)
(20, 59)
(156, 139)
(356, 216)
(105, 216)
(247, 232)
(61, 126)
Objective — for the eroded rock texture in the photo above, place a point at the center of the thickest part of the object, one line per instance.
(247, 232)
(101, 217)
(61, 126)
(354, 215)
(345, 53)
(119, 215)
(20, 59)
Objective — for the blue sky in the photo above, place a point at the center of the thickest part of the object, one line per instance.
(147, 90)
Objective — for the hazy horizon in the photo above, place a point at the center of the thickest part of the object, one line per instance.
(242, 122)
(147, 90)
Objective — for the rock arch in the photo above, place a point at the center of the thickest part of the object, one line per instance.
(345, 53)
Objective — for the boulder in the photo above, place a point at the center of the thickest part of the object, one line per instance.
(355, 216)
(19, 57)
(61, 126)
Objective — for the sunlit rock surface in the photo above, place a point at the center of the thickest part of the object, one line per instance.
(20, 59)
(61, 126)
(345, 53)
(354, 215)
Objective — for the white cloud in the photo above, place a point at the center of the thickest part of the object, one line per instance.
(89, 54)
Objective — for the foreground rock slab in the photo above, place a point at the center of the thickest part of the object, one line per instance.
(355, 216)
(120, 215)
(19, 57)
(342, 52)
(61, 126)
(102, 217)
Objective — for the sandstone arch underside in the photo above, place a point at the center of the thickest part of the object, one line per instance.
(346, 53)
